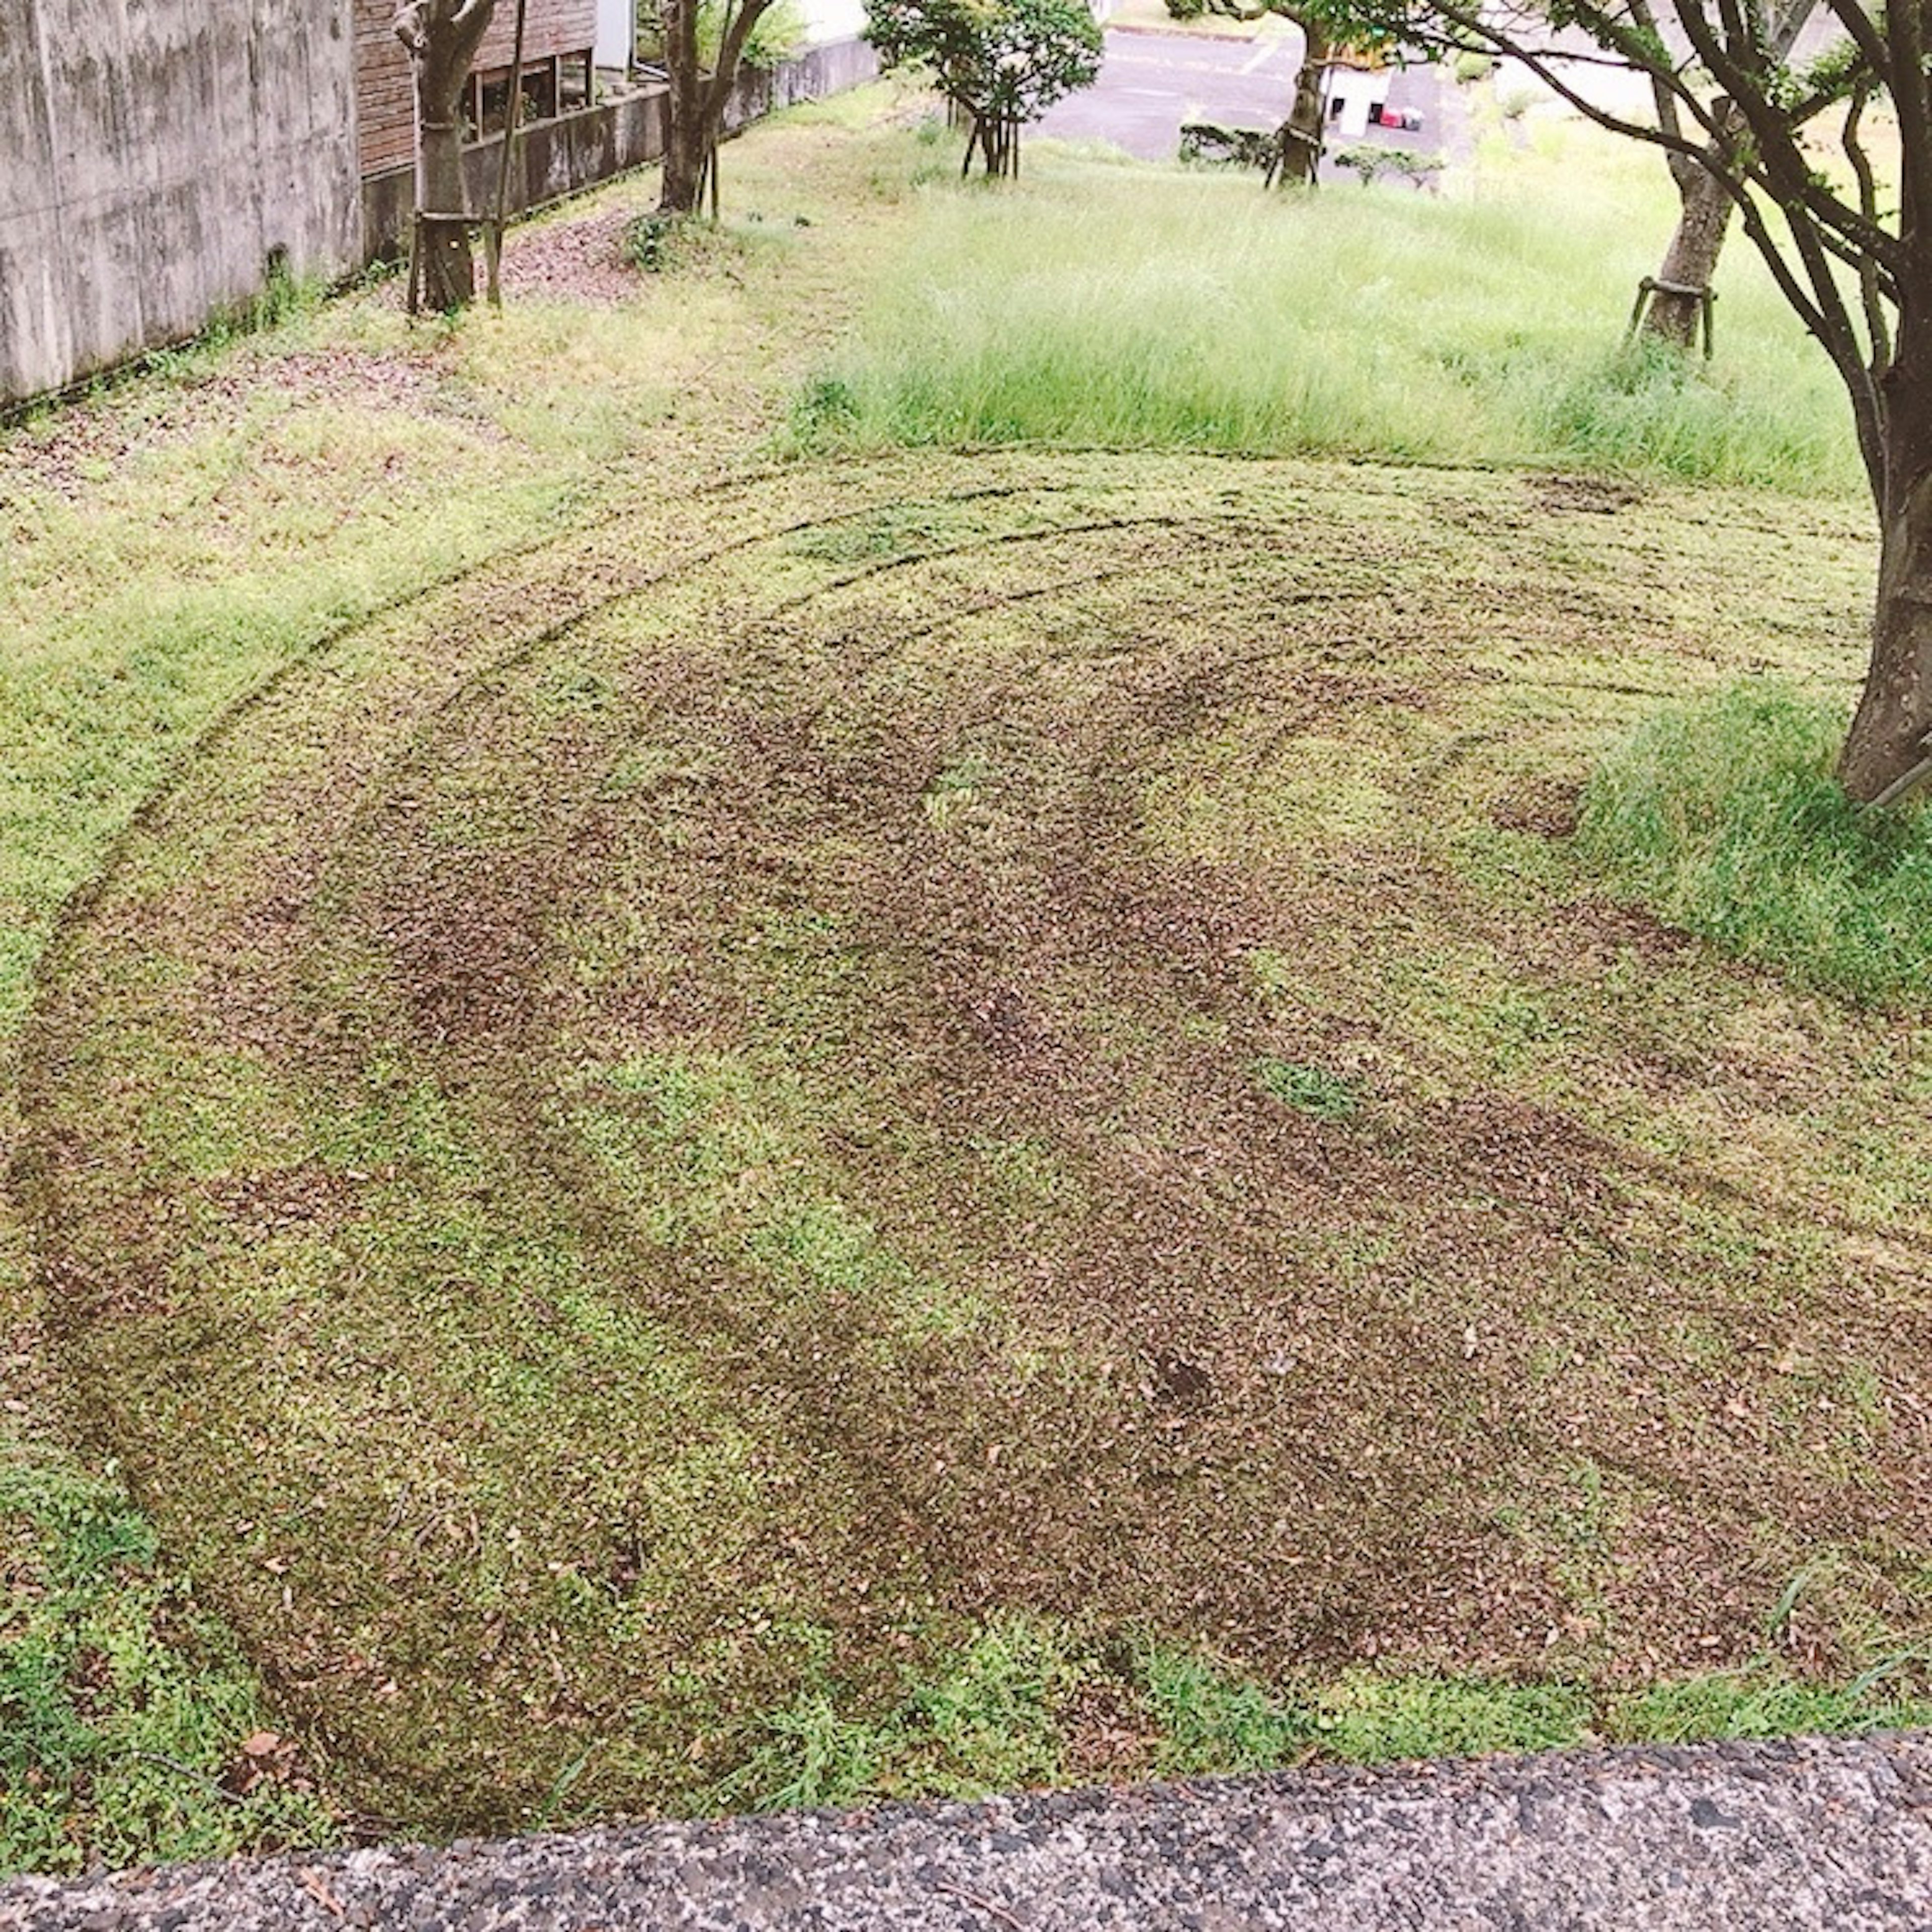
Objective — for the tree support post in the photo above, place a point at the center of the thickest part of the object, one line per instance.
(1705, 299)
(512, 118)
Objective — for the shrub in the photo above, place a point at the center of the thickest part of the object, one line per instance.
(649, 239)
(1472, 67)
(1724, 818)
(1371, 161)
(1186, 9)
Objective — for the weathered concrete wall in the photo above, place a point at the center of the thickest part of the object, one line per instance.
(153, 153)
(556, 158)
(817, 72)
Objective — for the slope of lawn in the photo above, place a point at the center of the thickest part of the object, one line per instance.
(1112, 304)
(773, 1128)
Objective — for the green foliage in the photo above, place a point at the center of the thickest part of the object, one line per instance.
(1371, 161)
(1187, 9)
(1765, 1701)
(775, 36)
(1001, 60)
(1472, 66)
(123, 1710)
(1313, 1090)
(1723, 817)
(649, 240)
(1212, 1719)
(988, 1716)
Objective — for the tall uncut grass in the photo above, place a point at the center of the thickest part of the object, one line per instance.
(1723, 816)
(1103, 304)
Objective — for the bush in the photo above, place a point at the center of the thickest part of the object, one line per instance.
(1472, 66)
(1186, 9)
(1724, 818)
(1371, 161)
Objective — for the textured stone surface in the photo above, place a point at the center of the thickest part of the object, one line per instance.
(1829, 1834)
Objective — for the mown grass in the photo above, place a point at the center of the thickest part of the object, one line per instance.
(1723, 817)
(1095, 304)
(1017, 1704)
(125, 1708)
(168, 543)
(177, 542)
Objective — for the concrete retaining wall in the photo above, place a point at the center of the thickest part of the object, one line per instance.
(152, 158)
(132, 215)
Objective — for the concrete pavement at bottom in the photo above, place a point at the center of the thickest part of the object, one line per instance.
(1150, 83)
(1816, 1835)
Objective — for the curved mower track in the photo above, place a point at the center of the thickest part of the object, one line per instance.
(946, 1040)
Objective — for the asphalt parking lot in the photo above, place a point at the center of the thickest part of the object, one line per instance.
(1150, 83)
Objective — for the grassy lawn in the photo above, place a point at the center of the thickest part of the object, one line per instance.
(756, 1102)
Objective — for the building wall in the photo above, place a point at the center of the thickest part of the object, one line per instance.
(560, 157)
(155, 154)
(616, 33)
(152, 157)
(829, 22)
(385, 92)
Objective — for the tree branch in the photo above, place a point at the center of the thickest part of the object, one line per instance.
(1876, 327)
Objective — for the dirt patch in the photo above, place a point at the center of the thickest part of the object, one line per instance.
(1588, 496)
(576, 258)
(1546, 811)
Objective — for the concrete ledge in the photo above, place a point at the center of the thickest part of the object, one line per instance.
(1833, 1834)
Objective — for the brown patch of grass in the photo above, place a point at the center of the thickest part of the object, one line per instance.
(759, 1155)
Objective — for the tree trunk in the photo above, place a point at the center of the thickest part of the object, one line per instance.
(697, 101)
(442, 36)
(446, 263)
(686, 144)
(1888, 739)
(1300, 135)
(1691, 259)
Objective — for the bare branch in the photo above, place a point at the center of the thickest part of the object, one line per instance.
(1877, 326)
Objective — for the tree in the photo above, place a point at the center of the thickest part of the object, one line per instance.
(1680, 290)
(1002, 63)
(442, 37)
(699, 94)
(1301, 135)
(1856, 268)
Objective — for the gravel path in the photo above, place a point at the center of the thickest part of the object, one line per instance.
(1833, 1834)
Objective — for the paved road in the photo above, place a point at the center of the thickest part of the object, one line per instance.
(1150, 83)
(1824, 1836)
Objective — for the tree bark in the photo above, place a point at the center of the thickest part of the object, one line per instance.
(1301, 134)
(1691, 259)
(1888, 742)
(685, 145)
(442, 36)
